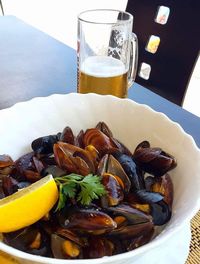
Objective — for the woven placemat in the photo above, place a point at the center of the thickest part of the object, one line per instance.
(194, 255)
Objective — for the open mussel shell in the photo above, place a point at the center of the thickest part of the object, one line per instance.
(40, 246)
(133, 222)
(24, 239)
(56, 246)
(98, 139)
(130, 169)
(131, 214)
(159, 210)
(63, 248)
(164, 186)
(73, 159)
(69, 234)
(93, 154)
(114, 192)
(109, 164)
(154, 160)
(115, 142)
(131, 231)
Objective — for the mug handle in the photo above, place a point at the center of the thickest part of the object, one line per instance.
(133, 60)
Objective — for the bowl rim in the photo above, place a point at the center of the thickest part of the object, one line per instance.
(136, 252)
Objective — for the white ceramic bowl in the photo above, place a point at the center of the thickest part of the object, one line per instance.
(131, 123)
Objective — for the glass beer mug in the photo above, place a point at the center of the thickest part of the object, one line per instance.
(107, 52)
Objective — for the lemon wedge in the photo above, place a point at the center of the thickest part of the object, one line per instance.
(28, 205)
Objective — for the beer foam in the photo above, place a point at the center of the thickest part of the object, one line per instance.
(102, 66)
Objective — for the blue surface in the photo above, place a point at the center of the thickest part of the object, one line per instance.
(35, 64)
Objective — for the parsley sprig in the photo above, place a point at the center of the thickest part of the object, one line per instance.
(83, 188)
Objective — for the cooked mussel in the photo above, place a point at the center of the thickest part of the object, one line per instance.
(6, 165)
(67, 136)
(154, 160)
(64, 248)
(22, 238)
(44, 145)
(98, 247)
(159, 210)
(30, 239)
(5, 161)
(70, 235)
(114, 192)
(130, 168)
(27, 167)
(79, 139)
(120, 220)
(89, 220)
(133, 222)
(132, 215)
(149, 197)
(164, 186)
(73, 159)
(109, 164)
(104, 128)
(99, 140)
(140, 240)
(9, 185)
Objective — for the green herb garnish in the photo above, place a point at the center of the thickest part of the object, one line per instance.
(83, 188)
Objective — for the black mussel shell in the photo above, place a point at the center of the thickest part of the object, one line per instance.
(130, 168)
(44, 145)
(67, 136)
(160, 212)
(140, 240)
(98, 247)
(143, 144)
(85, 219)
(104, 128)
(79, 139)
(132, 215)
(9, 185)
(149, 197)
(154, 160)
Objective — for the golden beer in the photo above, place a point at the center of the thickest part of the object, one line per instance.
(103, 75)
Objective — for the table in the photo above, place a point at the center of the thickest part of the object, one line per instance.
(35, 64)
